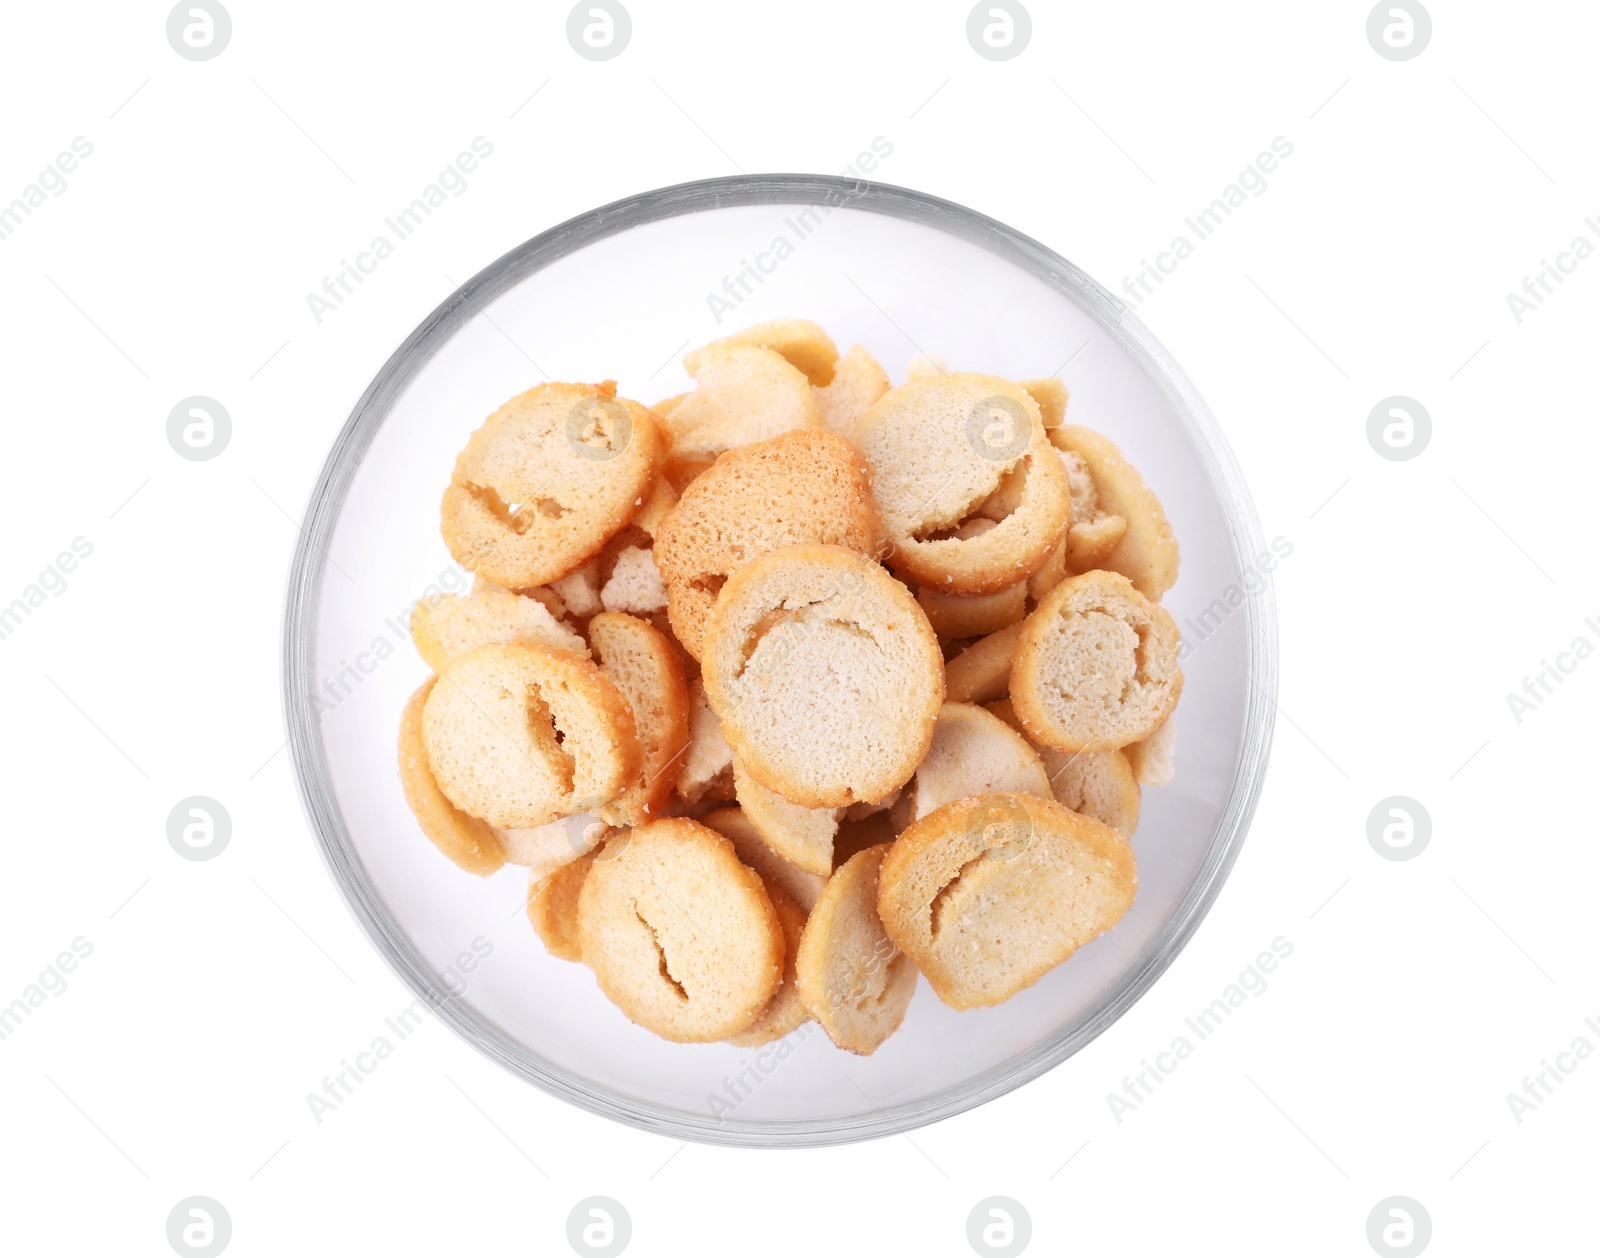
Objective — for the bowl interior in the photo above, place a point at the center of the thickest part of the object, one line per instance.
(624, 304)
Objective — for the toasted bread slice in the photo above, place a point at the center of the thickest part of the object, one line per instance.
(974, 752)
(553, 908)
(939, 448)
(647, 670)
(987, 895)
(974, 616)
(857, 384)
(785, 1011)
(1051, 395)
(825, 673)
(852, 978)
(1144, 550)
(802, 886)
(522, 735)
(801, 343)
(1096, 665)
(809, 485)
(448, 625)
(470, 842)
(983, 671)
(801, 836)
(680, 934)
(546, 481)
(743, 394)
(1152, 757)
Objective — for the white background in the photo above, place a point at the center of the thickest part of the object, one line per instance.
(1419, 993)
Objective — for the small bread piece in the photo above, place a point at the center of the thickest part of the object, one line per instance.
(974, 752)
(983, 671)
(680, 934)
(954, 616)
(825, 673)
(858, 382)
(666, 406)
(449, 625)
(742, 394)
(1093, 531)
(635, 584)
(939, 447)
(1152, 757)
(647, 670)
(1051, 395)
(802, 836)
(852, 978)
(1099, 784)
(553, 908)
(987, 895)
(1146, 551)
(785, 1011)
(653, 507)
(809, 485)
(579, 590)
(802, 886)
(466, 840)
(707, 774)
(1096, 665)
(546, 481)
(803, 344)
(554, 845)
(522, 735)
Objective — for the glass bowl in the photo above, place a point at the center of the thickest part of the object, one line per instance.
(619, 293)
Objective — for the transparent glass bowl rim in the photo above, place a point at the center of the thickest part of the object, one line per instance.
(327, 499)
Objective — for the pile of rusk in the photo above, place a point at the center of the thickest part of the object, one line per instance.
(797, 685)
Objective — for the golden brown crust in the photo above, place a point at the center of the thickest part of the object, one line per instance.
(444, 626)
(465, 839)
(802, 886)
(785, 1011)
(743, 394)
(1144, 550)
(808, 485)
(801, 343)
(553, 908)
(647, 670)
(852, 978)
(546, 481)
(983, 671)
(1096, 665)
(522, 735)
(940, 448)
(680, 934)
(986, 895)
